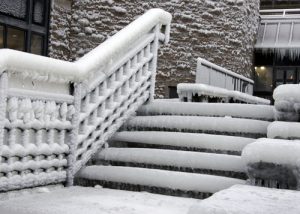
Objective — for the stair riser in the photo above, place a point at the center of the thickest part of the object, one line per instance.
(239, 134)
(141, 188)
(231, 174)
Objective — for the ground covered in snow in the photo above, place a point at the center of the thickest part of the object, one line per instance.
(79, 200)
(249, 200)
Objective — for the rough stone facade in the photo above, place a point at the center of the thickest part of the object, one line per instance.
(220, 31)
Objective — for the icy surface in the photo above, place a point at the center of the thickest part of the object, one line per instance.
(192, 140)
(196, 160)
(208, 109)
(81, 200)
(283, 152)
(214, 124)
(285, 130)
(159, 178)
(249, 200)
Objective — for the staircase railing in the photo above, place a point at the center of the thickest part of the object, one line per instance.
(54, 115)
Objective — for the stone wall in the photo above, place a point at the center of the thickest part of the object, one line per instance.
(220, 31)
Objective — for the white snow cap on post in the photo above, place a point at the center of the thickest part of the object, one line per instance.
(288, 92)
(99, 59)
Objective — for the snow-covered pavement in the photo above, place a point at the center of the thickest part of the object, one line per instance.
(79, 200)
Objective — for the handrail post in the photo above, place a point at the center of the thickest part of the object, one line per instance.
(3, 101)
(154, 61)
(74, 135)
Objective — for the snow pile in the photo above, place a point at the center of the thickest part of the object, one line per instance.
(190, 89)
(195, 123)
(100, 59)
(249, 200)
(287, 101)
(79, 200)
(159, 178)
(189, 140)
(285, 130)
(194, 160)
(158, 107)
(281, 152)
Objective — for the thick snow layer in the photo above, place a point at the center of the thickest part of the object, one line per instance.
(250, 200)
(203, 89)
(159, 178)
(286, 130)
(283, 152)
(99, 59)
(213, 124)
(289, 92)
(189, 140)
(208, 109)
(197, 160)
(85, 200)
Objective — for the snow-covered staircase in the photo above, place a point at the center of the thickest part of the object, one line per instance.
(54, 115)
(174, 148)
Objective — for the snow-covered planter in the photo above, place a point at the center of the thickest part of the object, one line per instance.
(273, 163)
(54, 115)
(287, 102)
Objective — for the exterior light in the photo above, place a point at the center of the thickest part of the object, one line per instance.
(263, 68)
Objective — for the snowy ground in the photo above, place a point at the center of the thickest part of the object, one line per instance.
(79, 200)
(250, 200)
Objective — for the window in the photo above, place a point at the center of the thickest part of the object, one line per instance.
(24, 25)
(15, 39)
(279, 4)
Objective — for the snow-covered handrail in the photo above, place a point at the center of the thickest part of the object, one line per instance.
(47, 69)
(280, 13)
(214, 75)
(50, 127)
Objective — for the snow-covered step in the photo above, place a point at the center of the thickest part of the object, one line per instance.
(195, 161)
(158, 178)
(250, 111)
(212, 125)
(180, 140)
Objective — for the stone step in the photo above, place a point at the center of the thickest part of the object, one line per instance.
(183, 141)
(160, 181)
(196, 160)
(199, 124)
(249, 111)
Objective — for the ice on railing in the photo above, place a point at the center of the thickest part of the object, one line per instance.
(101, 58)
(187, 90)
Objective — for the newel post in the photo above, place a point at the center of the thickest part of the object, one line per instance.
(3, 101)
(74, 135)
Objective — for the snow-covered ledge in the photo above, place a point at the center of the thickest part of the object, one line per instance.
(273, 163)
(287, 102)
(54, 115)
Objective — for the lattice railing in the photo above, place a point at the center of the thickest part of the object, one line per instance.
(55, 115)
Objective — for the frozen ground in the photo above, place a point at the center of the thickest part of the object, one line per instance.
(250, 200)
(79, 200)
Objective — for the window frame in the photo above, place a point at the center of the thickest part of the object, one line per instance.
(29, 26)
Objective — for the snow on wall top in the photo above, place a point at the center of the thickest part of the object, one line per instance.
(276, 151)
(53, 70)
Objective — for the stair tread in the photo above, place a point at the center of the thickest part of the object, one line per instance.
(196, 160)
(158, 107)
(196, 123)
(179, 139)
(159, 178)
